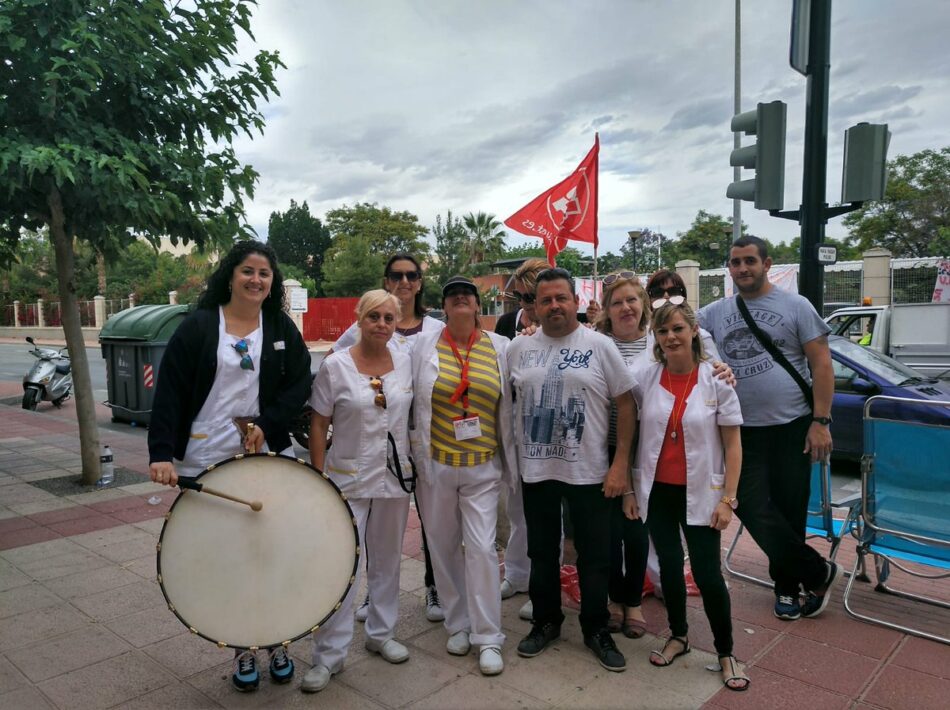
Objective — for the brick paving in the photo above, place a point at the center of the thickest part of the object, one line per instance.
(83, 623)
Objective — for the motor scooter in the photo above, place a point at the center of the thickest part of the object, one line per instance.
(50, 379)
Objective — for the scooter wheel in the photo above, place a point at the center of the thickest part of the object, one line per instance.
(31, 398)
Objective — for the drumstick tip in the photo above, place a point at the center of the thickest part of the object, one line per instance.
(256, 505)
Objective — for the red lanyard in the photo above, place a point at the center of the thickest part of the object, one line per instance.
(462, 389)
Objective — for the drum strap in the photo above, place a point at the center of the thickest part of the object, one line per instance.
(409, 486)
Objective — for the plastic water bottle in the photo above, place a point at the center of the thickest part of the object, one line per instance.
(107, 468)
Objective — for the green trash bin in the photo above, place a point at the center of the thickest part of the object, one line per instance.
(133, 342)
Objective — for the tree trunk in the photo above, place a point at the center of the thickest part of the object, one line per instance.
(69, 311)
(101, 271)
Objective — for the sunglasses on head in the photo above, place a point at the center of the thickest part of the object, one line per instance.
(627, 275)
(526, 298)
(397, 276)
(380, 399)
(241, 348)
(675, 300)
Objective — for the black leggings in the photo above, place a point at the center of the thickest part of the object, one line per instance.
(629, 548)
(666, 516)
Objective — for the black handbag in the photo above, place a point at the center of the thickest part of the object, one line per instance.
(776, 354)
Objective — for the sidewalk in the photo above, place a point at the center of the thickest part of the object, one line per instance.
(83, 623)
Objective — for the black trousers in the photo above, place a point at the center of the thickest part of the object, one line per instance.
(773, 503)
(629, 548)
(665, 518)
(590, 513)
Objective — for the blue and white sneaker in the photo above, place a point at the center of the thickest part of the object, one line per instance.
(246, 677)
(281, 665)
(816, 601)
(787, 607)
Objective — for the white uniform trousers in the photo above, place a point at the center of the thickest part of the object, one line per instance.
(381, 523)
(460, 504)
(517, 564)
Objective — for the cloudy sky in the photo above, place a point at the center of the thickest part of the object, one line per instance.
(468, 105)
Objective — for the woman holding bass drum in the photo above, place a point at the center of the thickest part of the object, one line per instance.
(232, 379)
(365, 391)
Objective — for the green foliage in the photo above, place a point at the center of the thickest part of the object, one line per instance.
(450, 254)
(648, 249)
(353, 269)
(123, 123)
(300, 240)
(609, 262)
(486, 239)
(697, 242)
(31, 273)
(913, 219)
(376, 230)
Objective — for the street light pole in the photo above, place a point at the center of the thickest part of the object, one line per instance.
(634, 235)
(737, 105)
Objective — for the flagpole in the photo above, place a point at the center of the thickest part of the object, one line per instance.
(595, 268)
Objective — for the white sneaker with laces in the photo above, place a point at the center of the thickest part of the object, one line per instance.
(434, 611)
(363, 611)
(458, 644)
(490, 661)
(316, 679)
(390, 649)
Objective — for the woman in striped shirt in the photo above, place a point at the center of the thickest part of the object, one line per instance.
(461, 444)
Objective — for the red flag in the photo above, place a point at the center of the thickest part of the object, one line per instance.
(566, 211)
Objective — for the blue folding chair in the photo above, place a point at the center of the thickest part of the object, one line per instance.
(905, 505)
(819, 523)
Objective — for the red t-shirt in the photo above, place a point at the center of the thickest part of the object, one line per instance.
(671, 466)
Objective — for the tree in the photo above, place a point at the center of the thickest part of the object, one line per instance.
(450, 255)
(486, 239)
(300, 239)
(353, 268)
(648, 249)
(698, 241)
(609, 262)
(379, 229)
(913, 219)
(120, 115)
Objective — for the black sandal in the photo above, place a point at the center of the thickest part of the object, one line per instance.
(732, 670)
(665, 659)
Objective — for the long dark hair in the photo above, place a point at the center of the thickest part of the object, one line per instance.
(418, 309)
(218, 291)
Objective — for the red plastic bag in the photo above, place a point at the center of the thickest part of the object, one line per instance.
(570, 587)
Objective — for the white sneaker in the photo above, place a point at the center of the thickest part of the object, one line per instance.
(434, 611)
(527, 611)
(490, 661)
(363, 611)
(458, 644)
(316, 679)
(390, 649)
(508, 589)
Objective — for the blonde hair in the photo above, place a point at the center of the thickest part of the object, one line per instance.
(372, 300)
(662, 315)
(603, 323)
(528, 272)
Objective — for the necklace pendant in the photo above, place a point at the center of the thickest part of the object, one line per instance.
(673, 435)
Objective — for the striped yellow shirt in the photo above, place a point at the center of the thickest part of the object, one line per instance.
(483, 394)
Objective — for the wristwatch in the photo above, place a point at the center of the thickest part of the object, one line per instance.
(824, 421)
(731, 502)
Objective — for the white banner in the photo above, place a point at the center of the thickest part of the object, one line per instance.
(298, 300)
(587, 290)
(783, 276)
(942, 287)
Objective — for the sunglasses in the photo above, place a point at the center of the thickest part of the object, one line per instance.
(675, 300)
(526, 298)
(627, 275)
(380, 399)
(397, 276)
(241, 348)
(659, 292)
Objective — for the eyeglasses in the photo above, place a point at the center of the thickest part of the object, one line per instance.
(660, 292)
(611, 278)
(410, 276)
(380, 399)
(241, 348)
(526, 298)
(675, 300)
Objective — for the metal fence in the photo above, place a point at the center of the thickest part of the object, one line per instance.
(913, 280)
(842, 284)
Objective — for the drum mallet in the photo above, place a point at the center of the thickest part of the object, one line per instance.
(193, 485)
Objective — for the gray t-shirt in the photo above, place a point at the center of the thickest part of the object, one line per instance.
(767, 393)
(563, 390)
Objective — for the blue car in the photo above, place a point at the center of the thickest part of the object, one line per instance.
(861, 373)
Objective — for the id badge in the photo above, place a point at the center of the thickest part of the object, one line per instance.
(467, 428)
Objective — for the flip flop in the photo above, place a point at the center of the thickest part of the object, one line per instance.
(633, 628)
(666, 660)
(732, 671)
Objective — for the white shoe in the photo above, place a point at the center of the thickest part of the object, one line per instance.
(490, 661)
(316, 679)
(508, 589)
(390, 649)
(363, 611)
(434, 611)
(527, 611)
(458, 644)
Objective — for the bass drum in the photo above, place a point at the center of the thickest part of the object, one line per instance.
(249, 579)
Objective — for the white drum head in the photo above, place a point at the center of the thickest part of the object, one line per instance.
(258, 579)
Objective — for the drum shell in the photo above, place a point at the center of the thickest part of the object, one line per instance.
(250, 579)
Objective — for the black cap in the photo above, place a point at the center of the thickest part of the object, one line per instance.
(459, 281)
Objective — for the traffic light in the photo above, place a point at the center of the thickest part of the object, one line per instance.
(766, 156)
(864, 173)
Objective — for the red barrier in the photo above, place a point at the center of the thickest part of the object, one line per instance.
(327, 318)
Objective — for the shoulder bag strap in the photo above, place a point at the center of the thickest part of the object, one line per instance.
(408, 485)
(776, 354)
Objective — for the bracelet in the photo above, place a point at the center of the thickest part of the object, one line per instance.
(629, 493)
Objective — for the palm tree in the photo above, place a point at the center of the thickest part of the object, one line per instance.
(485, 235)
